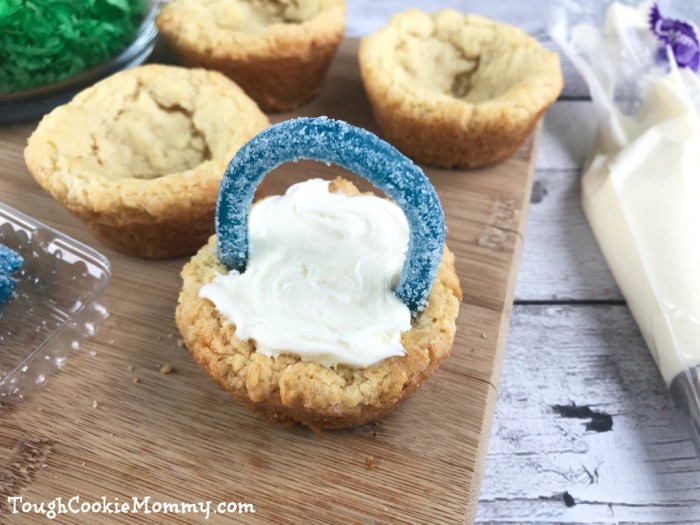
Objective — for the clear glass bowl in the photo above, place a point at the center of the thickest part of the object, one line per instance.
(35, 102)
(56, 305)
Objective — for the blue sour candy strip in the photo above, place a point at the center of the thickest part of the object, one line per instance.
(10, 261)
(356, 150)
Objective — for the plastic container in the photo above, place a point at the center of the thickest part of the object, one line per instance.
(57, 303)
(640, 189)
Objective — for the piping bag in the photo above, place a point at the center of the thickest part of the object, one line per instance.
(641, 183)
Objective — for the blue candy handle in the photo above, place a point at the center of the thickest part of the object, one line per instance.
(356, 150)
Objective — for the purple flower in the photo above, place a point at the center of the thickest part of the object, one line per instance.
(680, 36)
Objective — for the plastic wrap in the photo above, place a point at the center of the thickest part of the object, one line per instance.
(641, 184)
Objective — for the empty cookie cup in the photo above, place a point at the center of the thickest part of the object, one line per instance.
(138, 156)
(278, 52)
(456, 91)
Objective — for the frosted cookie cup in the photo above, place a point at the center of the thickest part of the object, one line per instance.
(335, 331)
(456, 91)
(138, 156)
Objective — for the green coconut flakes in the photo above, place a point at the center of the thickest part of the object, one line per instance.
(45, 41)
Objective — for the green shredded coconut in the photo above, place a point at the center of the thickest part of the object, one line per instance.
(45, 41)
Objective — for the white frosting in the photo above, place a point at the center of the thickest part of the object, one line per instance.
(641, 195)
(320, 276)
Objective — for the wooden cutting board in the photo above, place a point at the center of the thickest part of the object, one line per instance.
(177, 437)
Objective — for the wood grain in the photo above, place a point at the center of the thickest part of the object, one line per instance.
(561, 261)
(177, 437)
(644, 470)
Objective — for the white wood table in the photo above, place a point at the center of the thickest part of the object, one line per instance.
(572, 341)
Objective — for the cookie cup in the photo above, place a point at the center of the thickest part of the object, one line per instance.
(456, 91)
(278, 52)
(138, 156)
(286, 389)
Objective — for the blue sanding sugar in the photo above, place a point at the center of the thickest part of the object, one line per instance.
(7, 285)
(10, 261)
(356, 150)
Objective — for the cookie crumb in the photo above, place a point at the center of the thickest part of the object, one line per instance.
(130, 368)
(166, 368)
(94, 403)
(483, 335)
(39, 409)
(92, 353)
(159, 337)
(180, 343)
(135, 380)
(369, 461)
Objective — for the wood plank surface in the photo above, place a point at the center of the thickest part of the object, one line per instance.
(561, 260)
(95, 432)
(643, 469)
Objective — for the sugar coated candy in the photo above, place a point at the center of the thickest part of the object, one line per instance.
(10, 261)
(357, 150)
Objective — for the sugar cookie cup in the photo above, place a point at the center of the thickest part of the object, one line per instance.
(138, 156)
(289, 390)
(278, 52)
(283, 385)
(456, 91)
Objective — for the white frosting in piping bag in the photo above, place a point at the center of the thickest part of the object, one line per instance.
(641, 190)
(320, 276)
